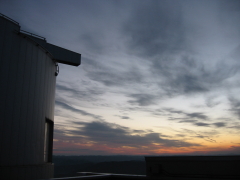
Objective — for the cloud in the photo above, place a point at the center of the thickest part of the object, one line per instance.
(112, 76)
(187, 121)
(142, 99)
(195, 123)
(66, 89)
(179, 76)
(202, 124)
(82, 112)
(154, 28)
(193, 118)
(93, 40)
(206, 138)
(163, 33)
(180, 51)
(235, 106)
(197, 115)
(173, 111)
(206, 135)
(235, 126)
(156, 32)
(114, 135)
(176, 71)
(186, 115)
(210, 102)
(123, 117)
(219, 124)
(87, 92)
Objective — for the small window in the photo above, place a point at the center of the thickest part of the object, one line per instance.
(48, 141)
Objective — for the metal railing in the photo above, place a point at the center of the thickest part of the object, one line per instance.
(6, 17)
(34, 35)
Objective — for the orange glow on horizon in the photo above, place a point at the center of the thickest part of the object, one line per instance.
(71, 148)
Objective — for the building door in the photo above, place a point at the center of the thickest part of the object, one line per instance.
(48, 141)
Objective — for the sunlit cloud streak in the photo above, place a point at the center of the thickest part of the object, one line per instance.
(82, 112)
(99, 133)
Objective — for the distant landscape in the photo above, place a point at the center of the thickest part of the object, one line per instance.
(66, 166)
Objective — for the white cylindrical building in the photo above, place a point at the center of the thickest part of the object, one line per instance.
(27, 95)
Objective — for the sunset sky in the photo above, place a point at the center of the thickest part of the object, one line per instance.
(157, 77)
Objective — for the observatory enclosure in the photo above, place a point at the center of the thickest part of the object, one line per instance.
(27, 96)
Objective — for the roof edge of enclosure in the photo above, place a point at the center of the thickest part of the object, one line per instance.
(59, 54)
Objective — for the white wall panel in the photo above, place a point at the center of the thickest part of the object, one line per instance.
(20, 100)
(8, 41)
(11, 100)
(27, 96)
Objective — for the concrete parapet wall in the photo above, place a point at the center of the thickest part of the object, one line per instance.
(210, 166)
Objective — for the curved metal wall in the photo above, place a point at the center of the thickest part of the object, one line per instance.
(27, 93)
